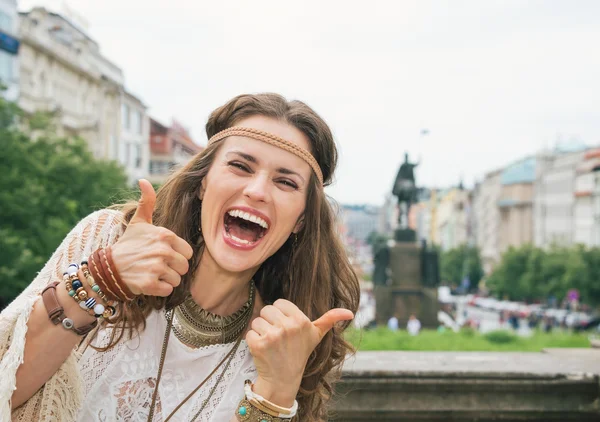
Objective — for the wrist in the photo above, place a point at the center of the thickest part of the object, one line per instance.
(71, 308)
(281, 395)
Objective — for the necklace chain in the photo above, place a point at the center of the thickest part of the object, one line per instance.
(234, 326)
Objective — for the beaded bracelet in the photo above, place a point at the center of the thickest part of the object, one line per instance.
(75, 287)
(93, 285)
(78, 292)
(99, 309)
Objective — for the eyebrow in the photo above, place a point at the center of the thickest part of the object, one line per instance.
(253, 159)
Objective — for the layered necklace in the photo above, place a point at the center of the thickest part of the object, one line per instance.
(197, 327)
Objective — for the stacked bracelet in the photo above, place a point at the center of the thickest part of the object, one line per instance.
(75, 288)
(254, 407)
(78, 292)
(247, 412)
(56, 312)
(103, 270)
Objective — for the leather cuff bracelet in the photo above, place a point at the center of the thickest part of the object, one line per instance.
(56, 313)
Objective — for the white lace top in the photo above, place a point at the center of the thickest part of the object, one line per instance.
(120, 382)
(115, 385)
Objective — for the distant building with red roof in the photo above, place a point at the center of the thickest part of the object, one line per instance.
(170, 148)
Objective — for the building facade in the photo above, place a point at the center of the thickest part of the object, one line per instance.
(63, 72)
(516, 204)
(360, 221)
(453, 219)
(554, 198)
(134, 151)
(9, 49)
(170, 148)
(486, 214)
(586, 207)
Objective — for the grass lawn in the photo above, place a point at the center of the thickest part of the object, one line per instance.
(465, 340)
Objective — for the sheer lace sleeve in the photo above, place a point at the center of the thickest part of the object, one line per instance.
(60, 397)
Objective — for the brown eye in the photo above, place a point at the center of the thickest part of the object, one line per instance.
(289, 183)
(239, 165)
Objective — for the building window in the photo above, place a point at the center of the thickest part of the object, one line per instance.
(6, 67)
(115, 146)
(135, 121)
(138, 126)
(138, 156)
(5, 23)
(127, 153)
(125, 116)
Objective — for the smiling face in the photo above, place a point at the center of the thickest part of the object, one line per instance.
(253, 196)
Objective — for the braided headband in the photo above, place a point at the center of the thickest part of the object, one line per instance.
(273, 140)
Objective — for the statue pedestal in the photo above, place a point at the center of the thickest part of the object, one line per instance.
(406, 295)
(405, 235)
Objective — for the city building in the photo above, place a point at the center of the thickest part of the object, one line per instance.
(586, 207)
(134, 151)
(516, 204)
(360, 221)
(170, 148)
(487, 219)
(388, 215)
(9, 49)
(453, 219)
(421, 216)
(357, 222)
(63, 72)
(554, 198)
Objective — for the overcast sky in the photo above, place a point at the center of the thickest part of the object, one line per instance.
(491, 80)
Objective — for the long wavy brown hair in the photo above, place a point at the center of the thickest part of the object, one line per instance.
(315, 274)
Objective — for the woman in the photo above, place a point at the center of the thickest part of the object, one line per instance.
(221, 298)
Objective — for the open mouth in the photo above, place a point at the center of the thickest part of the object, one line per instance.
(244, 228)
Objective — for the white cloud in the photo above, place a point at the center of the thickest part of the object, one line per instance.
(492, 80)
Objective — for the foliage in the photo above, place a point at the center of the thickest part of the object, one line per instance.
(529, 273)
(500, 337)
(460, 262)
(466, 340)
(48, 184)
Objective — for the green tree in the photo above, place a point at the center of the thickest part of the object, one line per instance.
(510, 276)
(47, 185)
(590, 292)
(460, 262)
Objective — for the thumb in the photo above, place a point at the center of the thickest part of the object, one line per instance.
(330, 318)
(145, 209)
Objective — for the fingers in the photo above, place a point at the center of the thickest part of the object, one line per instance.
(145, 209)
(178, 263)
(181, 246)
(330, 318)
(252, 338)
(161, 288)
(260, 326)
(287, 308)
(272, 315)
(171, 277)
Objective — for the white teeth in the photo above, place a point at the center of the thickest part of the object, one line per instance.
(237, 239)
(249, 217)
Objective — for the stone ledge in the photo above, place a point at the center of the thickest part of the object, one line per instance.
(449, 386)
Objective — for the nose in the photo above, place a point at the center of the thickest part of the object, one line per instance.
(258, 188)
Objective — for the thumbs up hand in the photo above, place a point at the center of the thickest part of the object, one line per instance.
(281, 341)
(150, 259)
